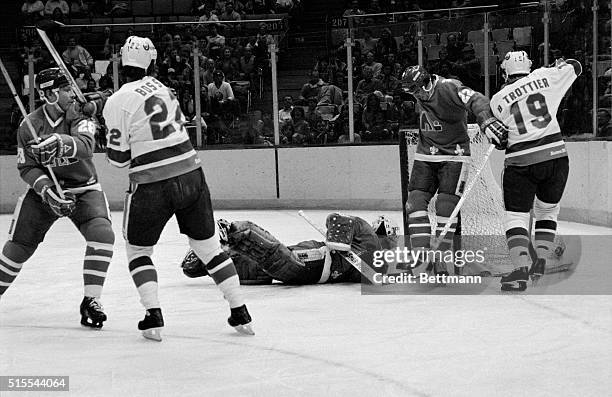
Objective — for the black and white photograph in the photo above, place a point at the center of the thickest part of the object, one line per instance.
(306, 198)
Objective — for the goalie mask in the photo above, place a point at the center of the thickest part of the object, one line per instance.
(384, 226)
(516, 63)
(54, 79)
(418, 82)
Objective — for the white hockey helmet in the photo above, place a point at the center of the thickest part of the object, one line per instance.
(516, 62)
(136, 52)
(384, 225)
(151, 48)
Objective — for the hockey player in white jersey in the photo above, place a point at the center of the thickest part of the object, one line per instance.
(146, 132)
(536, 161)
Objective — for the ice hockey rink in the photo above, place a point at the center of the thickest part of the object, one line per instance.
(310, 340)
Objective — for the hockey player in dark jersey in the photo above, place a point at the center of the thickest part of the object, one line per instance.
(65, 145)
(261, 258)
(443, 151)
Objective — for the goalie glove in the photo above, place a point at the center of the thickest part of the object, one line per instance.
(59, 206)
(47, 149)
(497, 132)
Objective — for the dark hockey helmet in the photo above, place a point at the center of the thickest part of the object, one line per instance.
(414, 78)
(50, 79)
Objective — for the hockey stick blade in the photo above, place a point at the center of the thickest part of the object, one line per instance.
(60, 62)
(351, 257)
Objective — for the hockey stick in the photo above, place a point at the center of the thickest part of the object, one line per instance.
(351, 257)
(463, 198)
(9, 82)
(60, 62)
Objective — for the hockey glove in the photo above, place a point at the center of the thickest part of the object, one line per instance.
(497, 133)
(59, 206)
(47, 149)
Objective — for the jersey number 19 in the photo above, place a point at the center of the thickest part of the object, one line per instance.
(536, 105)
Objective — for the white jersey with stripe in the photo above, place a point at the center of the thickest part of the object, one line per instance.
(528, 106)
(146, 131)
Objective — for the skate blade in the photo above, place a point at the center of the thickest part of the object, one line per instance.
(245, 329)
(88, 323)
(338, 246)
(515, 286)
(153, 333)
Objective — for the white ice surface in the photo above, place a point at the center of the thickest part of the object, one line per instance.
(310, 340)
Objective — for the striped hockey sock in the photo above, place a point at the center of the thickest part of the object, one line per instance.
(97, 259)
(447, 241)
(222, 270)
(518, 246)
(419, 229)
(144, 275)
(545, 231)
(9, 270)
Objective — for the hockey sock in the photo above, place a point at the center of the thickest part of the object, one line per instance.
(12, 258)
(8, 272)
(145, 277)
(97, 259)
(419, 229)
(222, 270)
(518, 246)
(98, 253)
(447, 241)
(545, 232)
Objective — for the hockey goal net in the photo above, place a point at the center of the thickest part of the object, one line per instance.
(482, 214)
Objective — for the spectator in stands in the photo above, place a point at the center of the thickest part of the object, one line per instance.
(78, 8)
(283, 6)
(77, 58)
(367, 86)
(604, 123)
(32, 10)
(468, 68)
(354, 10)
(52, 5)
(207, 75)
(369, 42)
(386, 45)
(324, 68)
(330, 95)
(313, 116)
(299, 127)
(108, 43)
(230, 14)
(390, 83)
(221, 96)
(247, 65)
(312, 88)
(206, 14)
(374, 119)
(216, 42)
(371, 63)
(261, 45)
(228, 65)
(453, 48)
(284, 118)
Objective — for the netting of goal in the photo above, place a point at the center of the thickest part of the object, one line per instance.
(482, 214)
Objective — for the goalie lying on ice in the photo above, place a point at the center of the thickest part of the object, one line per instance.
(260, 258)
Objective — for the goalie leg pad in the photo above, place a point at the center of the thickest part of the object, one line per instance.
(262, 247)
(418, 200)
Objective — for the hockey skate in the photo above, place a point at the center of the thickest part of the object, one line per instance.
(515, 281)
(241, 320)
(339, 232)
(92, 313)
(152, 324)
